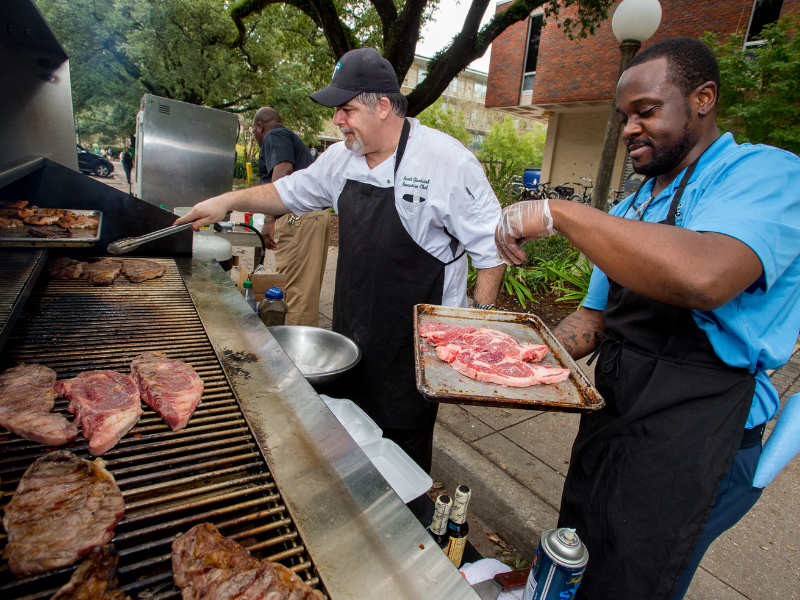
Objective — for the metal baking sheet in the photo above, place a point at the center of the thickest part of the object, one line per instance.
(81, 238)
(441, 383)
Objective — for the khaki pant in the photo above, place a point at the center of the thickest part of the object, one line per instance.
(301, 255)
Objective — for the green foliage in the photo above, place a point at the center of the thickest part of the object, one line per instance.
(178, 49)
(516, 284)
(446, 119)
(499, 175)
(518, 150)
(240, 168)
(556, 247)
(760, 96)
(579, 275)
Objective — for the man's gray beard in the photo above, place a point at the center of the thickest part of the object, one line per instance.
(356, 146)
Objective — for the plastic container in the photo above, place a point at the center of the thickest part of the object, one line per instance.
(355, 421)
(207, 245)
(405, 476)
(273, 308)
(248, 295)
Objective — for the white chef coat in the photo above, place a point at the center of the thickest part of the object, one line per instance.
(453, 193)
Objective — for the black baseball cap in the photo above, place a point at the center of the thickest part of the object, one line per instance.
(362, 70)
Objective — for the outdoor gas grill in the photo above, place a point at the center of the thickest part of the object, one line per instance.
(262, 458)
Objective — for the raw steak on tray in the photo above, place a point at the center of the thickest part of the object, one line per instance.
(490, 355)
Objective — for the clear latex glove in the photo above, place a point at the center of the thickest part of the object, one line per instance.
(522, 222)
(782, 446)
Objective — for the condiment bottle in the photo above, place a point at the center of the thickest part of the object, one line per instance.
(458, 528)
(438, 526)
(273, 308)
(249, 296)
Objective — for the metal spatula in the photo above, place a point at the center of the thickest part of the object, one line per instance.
(127, 244)
(502, 582)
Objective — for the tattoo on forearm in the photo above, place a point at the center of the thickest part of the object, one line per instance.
(577, 334)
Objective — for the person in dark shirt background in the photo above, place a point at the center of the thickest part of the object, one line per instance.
(300, 244)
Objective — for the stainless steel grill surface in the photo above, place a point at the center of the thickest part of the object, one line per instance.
(211, 471)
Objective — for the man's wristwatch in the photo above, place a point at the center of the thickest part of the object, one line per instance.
(484, 306)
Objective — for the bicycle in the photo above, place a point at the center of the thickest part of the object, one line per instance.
(585, 197)
(619, 196)
(561, 192)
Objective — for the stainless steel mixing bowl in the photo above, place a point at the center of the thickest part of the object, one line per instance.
(321, 355)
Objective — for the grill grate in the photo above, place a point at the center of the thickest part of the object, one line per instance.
(15, 271)
(210, 471)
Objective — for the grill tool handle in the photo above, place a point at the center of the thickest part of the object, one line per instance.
(127, 244)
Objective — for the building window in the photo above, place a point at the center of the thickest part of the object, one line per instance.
(532, 54)
(476, 143)
(765, 12)
(453, 87)
(480, 89)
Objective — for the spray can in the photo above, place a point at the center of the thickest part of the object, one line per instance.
(441, 514)
(558, 567)
(458, 528)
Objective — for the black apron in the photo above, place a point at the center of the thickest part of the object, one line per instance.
(381, 274)
(645, 469)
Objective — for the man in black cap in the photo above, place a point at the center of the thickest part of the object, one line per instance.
(411, 202)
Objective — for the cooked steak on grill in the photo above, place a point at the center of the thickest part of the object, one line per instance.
(170, 387)
(106, 406)
(17, 204)
(142, 270)
(207, 566)
(10, 222)
(49, 233)
(27, 395)
(62, 508)
(102, 272)
(78, 222)
(64, 268)
(37, 219)
(95, 578)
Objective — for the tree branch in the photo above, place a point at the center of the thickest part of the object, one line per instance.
(400, 41)
(245, 8)
(387, 12)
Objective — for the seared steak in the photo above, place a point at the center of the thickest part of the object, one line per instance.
(27, 395)
(170, 387)
(64, 268)
(62, 508)
(38, 219)
(16, 204)
(78, 222)
(95, 578)
(17, 213)
(49, 233)
(106, 406)
(207, 566)
(102, 272)
(10, 222)
(142, 270)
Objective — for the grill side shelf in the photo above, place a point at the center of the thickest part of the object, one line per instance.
(210, 471)
(19, 270)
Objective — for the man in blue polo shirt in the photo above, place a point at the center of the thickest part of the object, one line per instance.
(693, 298)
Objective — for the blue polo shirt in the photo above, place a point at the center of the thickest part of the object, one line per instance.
(751, 193)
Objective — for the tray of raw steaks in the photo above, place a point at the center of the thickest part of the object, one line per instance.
(489, 358)
(24, 225)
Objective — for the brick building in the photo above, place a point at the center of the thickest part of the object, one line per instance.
(536, 71)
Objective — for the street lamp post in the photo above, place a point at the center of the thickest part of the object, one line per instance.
(634, 21)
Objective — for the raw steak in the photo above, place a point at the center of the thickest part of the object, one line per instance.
(441, 334)
(102, 272)
(64, 268)
(63, 507)
(39, 232)
(142, 270)
(10, 222)
(106, 406)
(495, 367)
(78, 222)
(170, 387)
(27, 395)
(208, 566)
(95, 578)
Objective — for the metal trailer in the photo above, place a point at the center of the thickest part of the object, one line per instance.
(184, 153)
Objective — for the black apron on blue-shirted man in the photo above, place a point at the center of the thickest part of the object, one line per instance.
(645, 469)
(380, 275)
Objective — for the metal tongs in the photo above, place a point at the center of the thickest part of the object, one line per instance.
(127, 244)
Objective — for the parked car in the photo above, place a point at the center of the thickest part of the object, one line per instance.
(89, 162)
